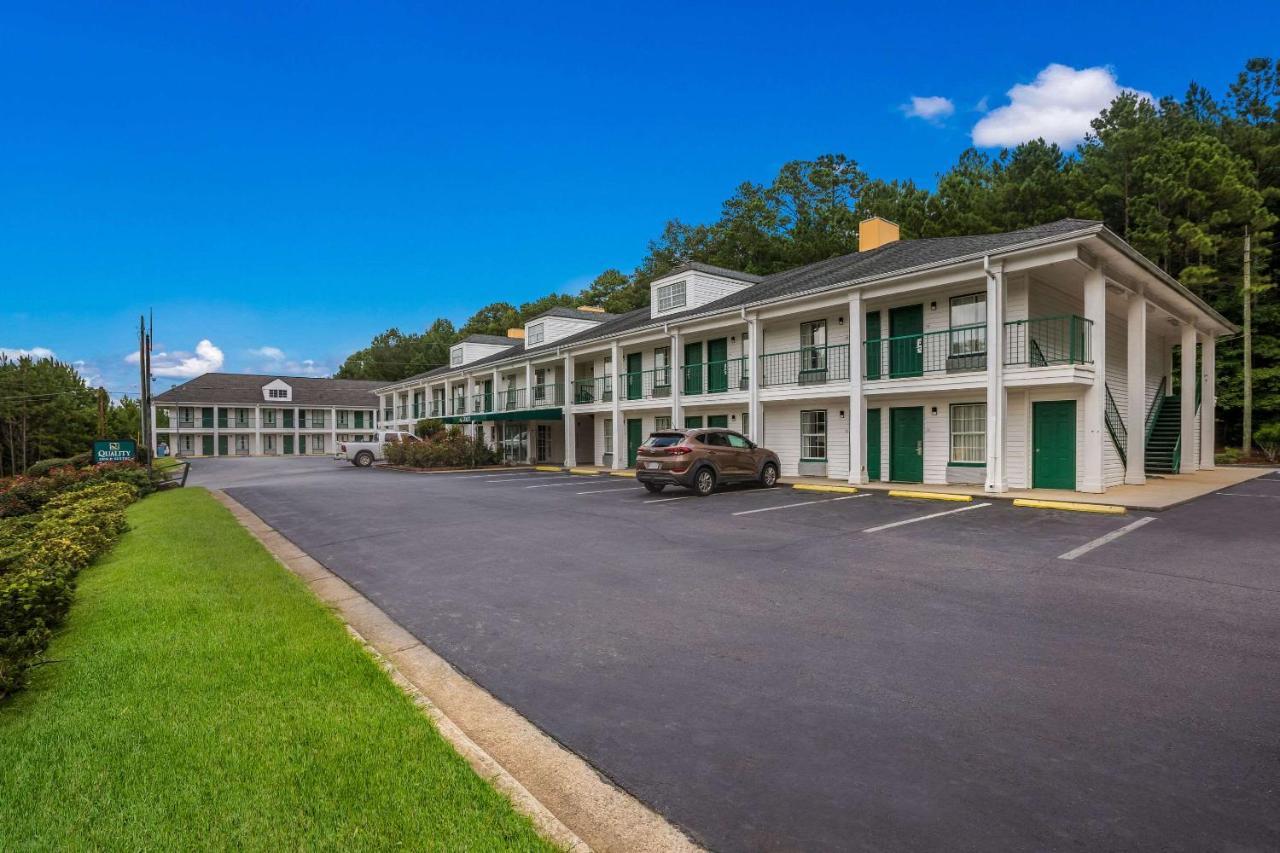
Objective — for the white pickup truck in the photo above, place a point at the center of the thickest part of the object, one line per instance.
(362, 454)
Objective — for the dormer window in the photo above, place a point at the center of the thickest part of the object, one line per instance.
(535, 334)
(671, 296)
(278, 393)
(455, 357)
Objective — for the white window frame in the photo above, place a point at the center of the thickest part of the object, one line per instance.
(813, 433)
(972, 449)
(968, 338)
(536, 334)
(661, 422)
(455, 357)
(813, 352)
(608, 436)
(671, 296)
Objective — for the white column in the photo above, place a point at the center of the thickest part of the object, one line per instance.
(677, 381)
(215, 430)
(1208, 399)
(570, 419)
(857, 402)
(1135, 421)
(619, 450)
(754, 409)
(1190, 461)
(257, 430)
(155, 430)
(997, 476)
(497, 383)
(297, 436)
(1095, 396)
(333, 430)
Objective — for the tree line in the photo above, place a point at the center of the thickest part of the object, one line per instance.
(1182, 180)
(48, 411)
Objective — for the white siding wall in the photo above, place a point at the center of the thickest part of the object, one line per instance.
(782, 435)
(1017, 432)
(784, 335)
(699, 289)
(555, 328)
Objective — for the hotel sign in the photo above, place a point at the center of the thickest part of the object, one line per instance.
(114, 451)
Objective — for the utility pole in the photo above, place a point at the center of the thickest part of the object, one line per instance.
(102, 413)
(1246, 441)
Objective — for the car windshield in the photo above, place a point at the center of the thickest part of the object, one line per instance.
(664, 439)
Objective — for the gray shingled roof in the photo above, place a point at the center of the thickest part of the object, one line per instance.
(711, 269)
(572, 313)
(246, 389)
(855, 267)
(497, 340)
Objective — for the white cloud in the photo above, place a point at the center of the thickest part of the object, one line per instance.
(183, 365)
(932, 109)
(275, 360)
(1057, 107)
(89, 373)
(15, 353)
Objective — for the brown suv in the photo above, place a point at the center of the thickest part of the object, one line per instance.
(700, 459)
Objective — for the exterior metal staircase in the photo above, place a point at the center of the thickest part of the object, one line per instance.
(1163, 437)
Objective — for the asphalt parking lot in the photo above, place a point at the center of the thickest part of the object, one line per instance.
(786, 670)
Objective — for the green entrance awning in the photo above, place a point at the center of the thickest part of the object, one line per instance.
(519, 415)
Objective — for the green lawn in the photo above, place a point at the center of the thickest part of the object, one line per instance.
(205, 699)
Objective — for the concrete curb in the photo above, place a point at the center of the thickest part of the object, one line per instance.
(1069, 506)
(404, 469)
(555, 468)
(568, 801)
(930, 496)
(626, 472)
(591, 472)
(816, 487)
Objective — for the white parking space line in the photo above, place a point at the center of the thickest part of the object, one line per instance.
(602, 491)
(549, 485)
(802, 503)
(1247, 495)
(535, 477)
(718, 495)
(1103, 540)
(880, 527)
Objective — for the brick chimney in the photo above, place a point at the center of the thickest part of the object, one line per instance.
(876, 232)
(515, 333)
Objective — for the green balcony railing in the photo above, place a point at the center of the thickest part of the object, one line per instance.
(1046, 341)
(546, 396)
(957, 350)
(458, 406)
(511, 400)
(647, 384)
(716, 377)
(593, 390)
(436, 409)
(807, 366)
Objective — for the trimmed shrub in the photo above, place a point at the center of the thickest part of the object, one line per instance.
(40, 555)
(22, 495)
(1267, 438)
(451, 448)
(44, 466)
(428, 428)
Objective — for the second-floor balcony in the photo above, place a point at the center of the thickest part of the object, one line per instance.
(244, 421)
(1038, 342)
(805, 366)
(437, 408)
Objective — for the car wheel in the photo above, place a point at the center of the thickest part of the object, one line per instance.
(364, 459)
(704, 482)
(769, 475)
(655, 487)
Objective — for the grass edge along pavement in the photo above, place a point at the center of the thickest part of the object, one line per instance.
(203, 697)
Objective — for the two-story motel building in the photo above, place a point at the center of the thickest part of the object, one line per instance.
(1049, 357)
(233, 414)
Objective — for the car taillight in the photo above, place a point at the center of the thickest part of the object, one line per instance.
(679, 449)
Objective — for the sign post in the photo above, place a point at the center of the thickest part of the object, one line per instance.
(124, 450)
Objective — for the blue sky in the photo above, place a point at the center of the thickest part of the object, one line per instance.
(283, 180)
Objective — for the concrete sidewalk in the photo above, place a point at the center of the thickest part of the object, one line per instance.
(1163, 492)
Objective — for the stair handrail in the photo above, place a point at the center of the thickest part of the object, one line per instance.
(1154, 411)
(1115, 425)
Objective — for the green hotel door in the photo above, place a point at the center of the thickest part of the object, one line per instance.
(1053, 441)
(693, 422)
(206, 445)
(873, 444)
(906, 444)
(635, 376)
(906, 350)
(717, 365)
(222, 445)
(288, 445)
(693, 368)
(635, 437)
